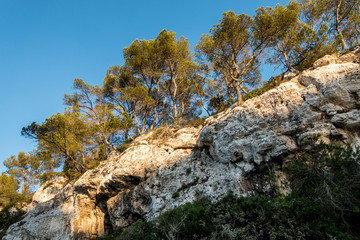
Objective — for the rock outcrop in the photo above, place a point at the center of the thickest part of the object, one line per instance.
(233, 152)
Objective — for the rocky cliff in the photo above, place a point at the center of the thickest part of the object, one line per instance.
(232, 152)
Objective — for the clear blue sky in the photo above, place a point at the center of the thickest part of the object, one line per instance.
(46, 44)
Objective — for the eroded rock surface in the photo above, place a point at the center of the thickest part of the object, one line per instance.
(80, 210)
(48, 191)
(233, 152)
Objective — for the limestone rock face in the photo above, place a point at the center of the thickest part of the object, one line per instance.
(341, 57)
(48, 191)
(232, 153)
(80, 210)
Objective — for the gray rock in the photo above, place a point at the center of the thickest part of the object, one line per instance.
(232, 153)
(349, 120)
(326, 60)
(48, 191)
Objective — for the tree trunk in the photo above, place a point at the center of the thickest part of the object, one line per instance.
(240, 100)
(288, 65)
(112, 148)
(337, 24)
(173, 99)
(23, 187)
(357, 26)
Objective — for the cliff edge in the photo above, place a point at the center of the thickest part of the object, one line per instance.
(232, 152)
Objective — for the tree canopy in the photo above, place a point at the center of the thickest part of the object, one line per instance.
(163, 83)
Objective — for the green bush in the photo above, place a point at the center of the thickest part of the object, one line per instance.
(175, 194)
(275, 218)
(243, 218)
(324, 204)
(140, 230)
(272, 83)
(219, 104)
(9, 217)
(330, 176)
(162, 133)
(190, 221)
(125, 145)
(195, 123)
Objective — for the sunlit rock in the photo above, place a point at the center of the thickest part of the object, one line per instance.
(233, 152)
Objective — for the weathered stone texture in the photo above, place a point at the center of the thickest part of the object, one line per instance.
(232, 152)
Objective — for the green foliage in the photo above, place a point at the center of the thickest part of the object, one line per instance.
(156, 84)
(232, 54)
(316, 209)
(23, 167)
(44, 165)
(219, 104)
(338, 15)
(8, 216)
(352, 31)
(175, 194)
(272, 83)
(190, 221)
(8, 190)
(243, 218)
(195, 122)
(161, 85)
(330, 175)
(125, 145)
(275, 218)
(162, 133)
(140, 230)
(103, 124)
(66, 137)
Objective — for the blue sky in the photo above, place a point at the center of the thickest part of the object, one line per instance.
(46, 44)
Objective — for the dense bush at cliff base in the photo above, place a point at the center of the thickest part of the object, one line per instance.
(8, 216)
(307, 213)
(164, 83)
(242, 218)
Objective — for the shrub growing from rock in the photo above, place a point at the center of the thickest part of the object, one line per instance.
(314, 209)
